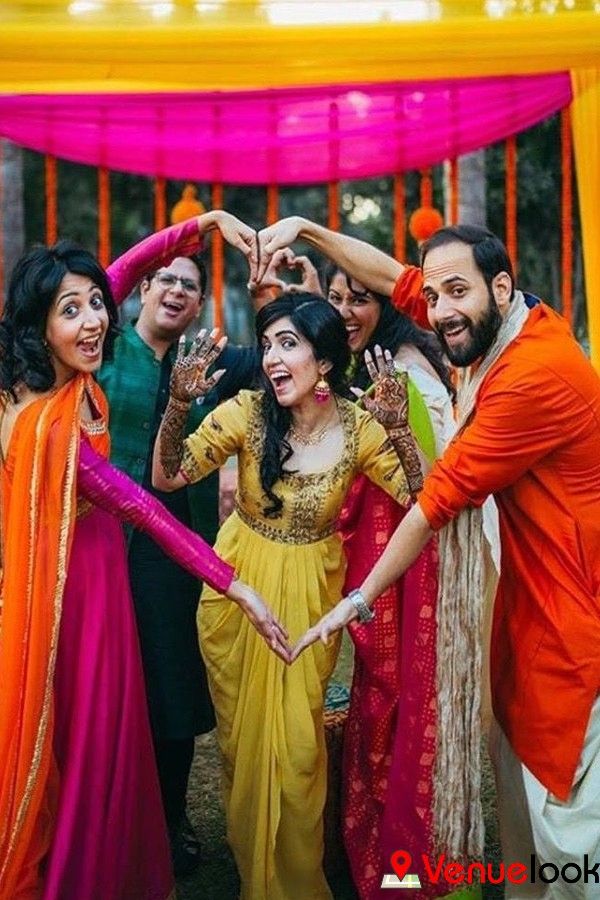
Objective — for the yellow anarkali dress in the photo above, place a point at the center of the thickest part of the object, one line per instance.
(269, 715)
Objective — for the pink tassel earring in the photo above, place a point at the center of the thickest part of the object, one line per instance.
(322, 391)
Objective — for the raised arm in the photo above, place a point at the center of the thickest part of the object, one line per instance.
(179, 240)
(188, 382)
(373, 268)
(154, 251)
(389, 405)
(113, 491)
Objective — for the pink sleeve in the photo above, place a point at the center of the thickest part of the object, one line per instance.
(407, 296)
(113, 491)
(159, 249)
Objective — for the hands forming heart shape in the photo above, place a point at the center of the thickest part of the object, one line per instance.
(273, 632)
(267, 251)
(285, 260)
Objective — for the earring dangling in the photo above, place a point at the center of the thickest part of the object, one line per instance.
(322, 391)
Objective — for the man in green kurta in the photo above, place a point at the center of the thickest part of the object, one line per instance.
(136, 382)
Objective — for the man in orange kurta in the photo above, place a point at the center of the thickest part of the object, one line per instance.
(532, 441)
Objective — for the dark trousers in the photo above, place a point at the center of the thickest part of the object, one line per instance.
(174, 761)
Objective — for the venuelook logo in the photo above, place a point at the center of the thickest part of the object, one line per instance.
(455, 873)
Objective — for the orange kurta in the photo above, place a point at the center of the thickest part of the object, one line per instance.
(407, 296)
(534, 442)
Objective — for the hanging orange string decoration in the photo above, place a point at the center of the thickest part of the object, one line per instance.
(511, 199)
(103, 216)
(566, 212)
(189, 205)
(160, 203)
(217, 259)
(399, 218)
(454, 191)
(272, 203)
(426, 188)
(51, 201)
(333, 205)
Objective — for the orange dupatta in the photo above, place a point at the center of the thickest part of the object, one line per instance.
(38, 507)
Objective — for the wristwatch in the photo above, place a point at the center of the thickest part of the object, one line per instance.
(364, 611)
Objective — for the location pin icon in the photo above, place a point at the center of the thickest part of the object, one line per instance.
(401, 860)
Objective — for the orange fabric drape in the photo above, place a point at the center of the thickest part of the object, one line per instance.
(51, 199)
(566, 212)
(104, 216)
(454, 191)
(399, 218)
(38, 509)
(217, 259)
(160, 203)
(272, 203)
(511, 199)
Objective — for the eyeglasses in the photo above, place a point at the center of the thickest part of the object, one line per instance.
(168, 281)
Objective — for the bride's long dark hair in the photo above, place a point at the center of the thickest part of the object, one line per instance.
(323, 327)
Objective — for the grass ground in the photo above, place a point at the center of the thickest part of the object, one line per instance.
(216, 878)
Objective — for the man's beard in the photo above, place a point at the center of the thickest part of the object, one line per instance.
(480, 337)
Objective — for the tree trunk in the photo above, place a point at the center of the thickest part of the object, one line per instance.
(12, 233)
(472, 208)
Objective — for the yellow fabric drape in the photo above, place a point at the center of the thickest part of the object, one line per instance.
(61, 46)
(586, 143)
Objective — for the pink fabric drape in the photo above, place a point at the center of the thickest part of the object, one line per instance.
(283, 136)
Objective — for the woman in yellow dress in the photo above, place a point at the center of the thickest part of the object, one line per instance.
(299, 445)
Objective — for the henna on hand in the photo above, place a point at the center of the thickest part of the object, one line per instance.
(171, 436)
(188, 377)
(389, 405)
(404, 444)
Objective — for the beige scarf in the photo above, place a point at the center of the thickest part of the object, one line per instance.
(457, 812)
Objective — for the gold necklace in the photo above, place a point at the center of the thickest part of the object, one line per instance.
(308, 440)
(314, 437)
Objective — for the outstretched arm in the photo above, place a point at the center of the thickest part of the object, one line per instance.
(376, 270)
(404, 546)
(113, 491)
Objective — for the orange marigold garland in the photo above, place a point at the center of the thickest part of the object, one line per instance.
(333, 205)
(51, 201)
(217, 259)
(103, 216)
(272, 203)
(160, 203)
(399, 218)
